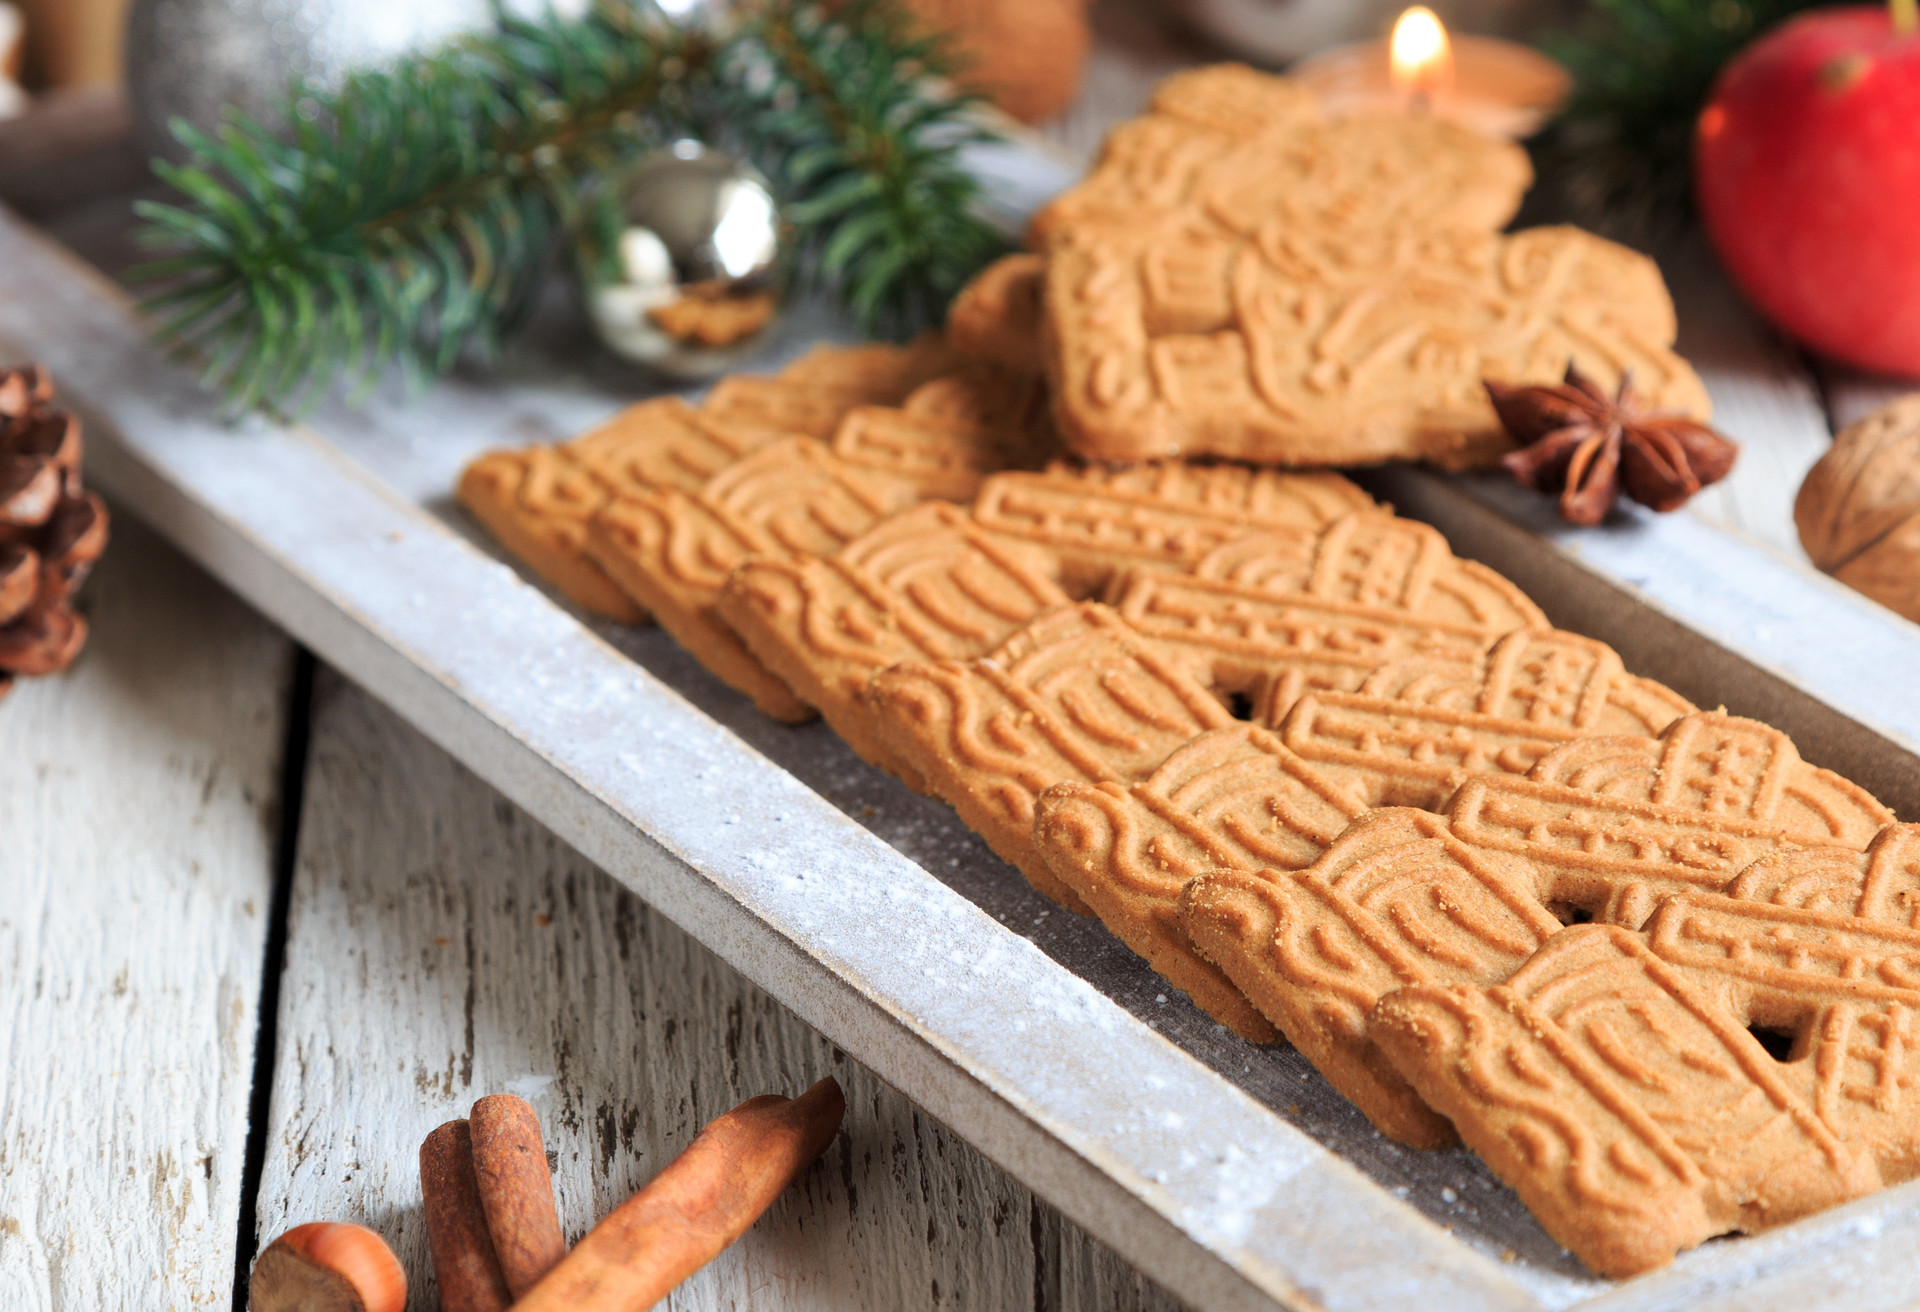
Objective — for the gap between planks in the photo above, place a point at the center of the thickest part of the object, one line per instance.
(442, 945)
(137, 796)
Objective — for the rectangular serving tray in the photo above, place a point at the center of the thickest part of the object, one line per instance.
(1231, 1174)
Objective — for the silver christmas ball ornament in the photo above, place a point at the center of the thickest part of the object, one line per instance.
(690, 283)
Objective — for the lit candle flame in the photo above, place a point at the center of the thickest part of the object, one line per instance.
(1420, 56)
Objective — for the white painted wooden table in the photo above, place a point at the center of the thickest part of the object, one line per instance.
(257, 937)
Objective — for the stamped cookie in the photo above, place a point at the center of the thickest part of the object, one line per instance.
(879, 373)
(538, 501)
(1418, 729)
(673, 549)
(1165, 516)
(1301, 346)
(1230, 799)
(948, 584)
(1264, 620)
(1075, 695)
(927, 584)
(1234, 146)
(1129, 852)
(996, 317)
(945, 456)
(1600, 829)
(1615, 1083)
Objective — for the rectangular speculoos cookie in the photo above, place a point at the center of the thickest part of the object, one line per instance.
(1075, 695)
(1235, 147)
(1301, 346)
(1129, 852)
(537, 502)
(996, 316)
(1615, 1082)
(927, 584)
(673, 549)
(1599, 829)
(946, 583)
(1100, 522)
(1262, 618)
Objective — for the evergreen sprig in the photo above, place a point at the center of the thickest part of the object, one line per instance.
(1621, 153)
(407, 215)
(842, 113)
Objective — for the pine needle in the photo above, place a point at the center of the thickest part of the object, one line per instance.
(406, 217)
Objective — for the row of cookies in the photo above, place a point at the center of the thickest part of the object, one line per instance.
(1201, 702)
(645, 516)
(1242, 276)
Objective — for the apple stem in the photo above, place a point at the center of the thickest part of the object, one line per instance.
(1906, 16)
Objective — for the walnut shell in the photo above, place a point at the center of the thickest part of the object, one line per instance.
(1859, 510)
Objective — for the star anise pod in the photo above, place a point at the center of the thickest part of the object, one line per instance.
(1589, 447)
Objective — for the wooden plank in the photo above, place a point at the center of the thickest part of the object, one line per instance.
(443, 945)
(137, 797)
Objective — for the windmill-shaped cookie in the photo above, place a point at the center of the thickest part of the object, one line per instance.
(1615, 1080)
(941, 583)
(1408, 897)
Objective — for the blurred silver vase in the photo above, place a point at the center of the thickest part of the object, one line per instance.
(193, 58)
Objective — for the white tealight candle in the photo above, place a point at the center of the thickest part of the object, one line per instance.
(1493, 86)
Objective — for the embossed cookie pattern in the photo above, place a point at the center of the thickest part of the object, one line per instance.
(1237, 147)
(924, 585)
(1600, 829)
(1266, 620)
(675, 549)
(1298, 346)
(1076, 695)
(1614, 1082)
(538, 501)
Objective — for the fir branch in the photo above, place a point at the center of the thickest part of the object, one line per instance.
(414, 208)
(853, 117)
(1621, 153)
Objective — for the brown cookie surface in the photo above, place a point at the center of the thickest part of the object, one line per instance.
(538, 501)
(1239, 147)
(1615, 1082)
(674, 549)
(927, 584)
(1296, 345)
(996, 317)
(1599, 829)
(1075, 695)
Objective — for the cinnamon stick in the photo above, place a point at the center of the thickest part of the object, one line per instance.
(516, 1190)
(702, 1201)
(464, 1262)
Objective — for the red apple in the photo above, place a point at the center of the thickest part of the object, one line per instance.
(1807, 169)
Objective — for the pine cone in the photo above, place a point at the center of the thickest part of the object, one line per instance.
(51, 529)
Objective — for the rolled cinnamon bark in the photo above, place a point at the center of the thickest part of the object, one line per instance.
(702, 1201)
(464, 1263)
(516, 1190)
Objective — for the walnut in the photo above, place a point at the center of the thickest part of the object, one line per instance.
(1859, 510)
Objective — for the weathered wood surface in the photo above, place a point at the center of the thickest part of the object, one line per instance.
(442, 945)
(137, 805)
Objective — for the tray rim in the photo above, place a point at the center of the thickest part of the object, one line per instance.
(316, 542)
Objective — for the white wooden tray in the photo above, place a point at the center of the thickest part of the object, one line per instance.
(1232, 1174)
